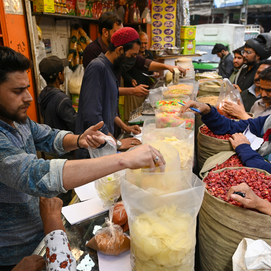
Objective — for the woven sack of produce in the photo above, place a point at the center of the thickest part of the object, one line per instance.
(218, 159)
(209, 87)
(207, 75)
(162, 219)
(222, 226)
(208, 146)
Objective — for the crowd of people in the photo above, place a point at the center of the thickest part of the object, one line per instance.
(29, 209)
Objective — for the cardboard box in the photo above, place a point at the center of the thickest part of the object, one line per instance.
(44, 6)
(188, 32)
(188, 47)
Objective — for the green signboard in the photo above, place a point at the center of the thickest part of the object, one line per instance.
(259, 2)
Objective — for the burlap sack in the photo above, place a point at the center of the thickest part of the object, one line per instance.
(217, 159)
(209, 87)
(208, 146)
(222, 226)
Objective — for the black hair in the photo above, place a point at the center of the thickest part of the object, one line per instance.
(266, 74)
(126, 46)
(11, 61)
(238, 50)
(265, 62)
(48, 80)
(107, 21)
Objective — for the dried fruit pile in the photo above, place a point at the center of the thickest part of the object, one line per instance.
(206, 131)
(233, 161)
(218, 184)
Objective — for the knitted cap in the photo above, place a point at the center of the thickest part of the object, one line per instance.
(124, 35)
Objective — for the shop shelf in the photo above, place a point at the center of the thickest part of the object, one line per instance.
(63, 16)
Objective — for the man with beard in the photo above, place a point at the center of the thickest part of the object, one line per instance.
(238, 62)
(99, 92)
(250, 98)
(255, 50)
(261, 127)
(24, 178)
(225, 67)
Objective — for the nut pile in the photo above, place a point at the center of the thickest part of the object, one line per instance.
(206, 131)
(218, 184)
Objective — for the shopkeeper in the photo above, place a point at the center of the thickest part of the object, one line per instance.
(260, 127)
(24, 178)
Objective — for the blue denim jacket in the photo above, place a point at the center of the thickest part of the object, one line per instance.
(24, 178)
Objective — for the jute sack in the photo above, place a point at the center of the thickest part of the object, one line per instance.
(209, 146)
(209, 87)
(222, 226)
(214, 160)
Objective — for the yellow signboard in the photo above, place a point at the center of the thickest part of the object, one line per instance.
(163, 23)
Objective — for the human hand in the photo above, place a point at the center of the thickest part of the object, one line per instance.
(203, 108)
(238, 139)
(237, 87)
(135, 129)
(128, 143)
(50, 212)
(235, 110)
(143, 156)
(141, 90)
(182, 70)
(134, 82)
(30, 263)
(251, 200)
(92, 137)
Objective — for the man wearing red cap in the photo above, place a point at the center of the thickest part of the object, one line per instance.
(100, 87)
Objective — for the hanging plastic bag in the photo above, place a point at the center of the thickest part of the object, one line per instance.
(109, 148)
(75, 81)
(162, 227)
(111, 239)
(181, 139)
(120, 216)
(108, 188)
(227, 93)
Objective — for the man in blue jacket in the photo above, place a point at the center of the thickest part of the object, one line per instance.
(260, 127)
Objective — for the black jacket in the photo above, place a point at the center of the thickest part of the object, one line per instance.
(56, 109)
(225, 67)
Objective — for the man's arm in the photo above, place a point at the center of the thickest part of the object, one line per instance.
(220, 124)
(139, 91)
(157, 66)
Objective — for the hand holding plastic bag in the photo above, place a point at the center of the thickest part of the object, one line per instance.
(75, 81)
(227, 93)
(109, 148)
(110, 240)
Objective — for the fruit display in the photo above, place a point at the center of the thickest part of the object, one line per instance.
(206, 131)
(233, 161)
(219, 183)
(163, 240)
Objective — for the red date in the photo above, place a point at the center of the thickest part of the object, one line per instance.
(218, 184)
(233, 161)
(206, 131)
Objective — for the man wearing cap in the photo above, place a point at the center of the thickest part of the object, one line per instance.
(56, 106)
(225, 67)
(255, 50)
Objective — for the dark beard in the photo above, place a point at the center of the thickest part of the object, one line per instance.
(13, 117)
(118, 62)
(266, 100)
(250, 63)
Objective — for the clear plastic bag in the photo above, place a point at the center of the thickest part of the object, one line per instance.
(181, 139)
(227, 93)
(108, 188)
(109, 148)
(111, 239)
(75, 80)
(162, 227)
